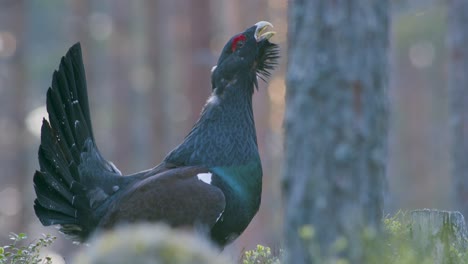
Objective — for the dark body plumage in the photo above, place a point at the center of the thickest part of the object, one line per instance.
(211, 181)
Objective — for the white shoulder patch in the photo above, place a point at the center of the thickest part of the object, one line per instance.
(205, 177)
(214, 99)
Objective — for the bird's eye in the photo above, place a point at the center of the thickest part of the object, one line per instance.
(237, 42)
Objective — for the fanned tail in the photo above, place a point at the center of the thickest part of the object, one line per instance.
(74, 179)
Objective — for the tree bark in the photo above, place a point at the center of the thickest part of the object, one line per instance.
(458, 86)
(199, 57)
(335, 126)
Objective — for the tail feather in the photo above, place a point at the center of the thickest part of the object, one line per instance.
(53, 156)
(51, 217)
(62, 128)
(74, 179)
(54, 200)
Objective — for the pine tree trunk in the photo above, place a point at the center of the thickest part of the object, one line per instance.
(335, 126)
(121, 54)
(199, 57)
(458, 85)
(15, 91)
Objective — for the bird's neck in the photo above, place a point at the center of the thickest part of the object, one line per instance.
(225, 133)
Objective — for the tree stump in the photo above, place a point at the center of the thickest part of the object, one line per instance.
(440, 233)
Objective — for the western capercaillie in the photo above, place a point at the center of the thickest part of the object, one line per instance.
(212, 181)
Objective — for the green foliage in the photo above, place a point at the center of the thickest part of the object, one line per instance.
(30, 253)
(260, 255)
(394, 245)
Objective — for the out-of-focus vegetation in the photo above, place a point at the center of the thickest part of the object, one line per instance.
(261, 255)
(394, 246)
(160, 244)
(149, 243)
(398, 246)
(20, 251)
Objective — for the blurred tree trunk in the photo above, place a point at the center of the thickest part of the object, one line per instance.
(80, 30)
(122, 108)
(175, 71)
(458, 85)
(141, 82)
(335, 127)
(199, 59)
(156, 13)
(14, 92)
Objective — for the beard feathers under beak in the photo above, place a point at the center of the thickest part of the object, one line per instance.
(260, 33)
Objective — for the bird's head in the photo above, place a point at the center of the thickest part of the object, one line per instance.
(225, 133)
(246, 55)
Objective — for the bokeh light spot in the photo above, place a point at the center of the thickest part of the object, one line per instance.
(7, 44)
(100, 26)
(142, 78)
(34, 120)
(421, 54)
(10, 198)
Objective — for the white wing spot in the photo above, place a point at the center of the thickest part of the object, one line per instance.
(214, 99)
(114, 168)
(219, 216)
(205, 177)
(115, 188)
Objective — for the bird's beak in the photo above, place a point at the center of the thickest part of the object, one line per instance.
(260, 33)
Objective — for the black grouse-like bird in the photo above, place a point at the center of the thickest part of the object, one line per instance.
(212, 181)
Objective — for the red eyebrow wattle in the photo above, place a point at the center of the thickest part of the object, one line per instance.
(235, 40)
